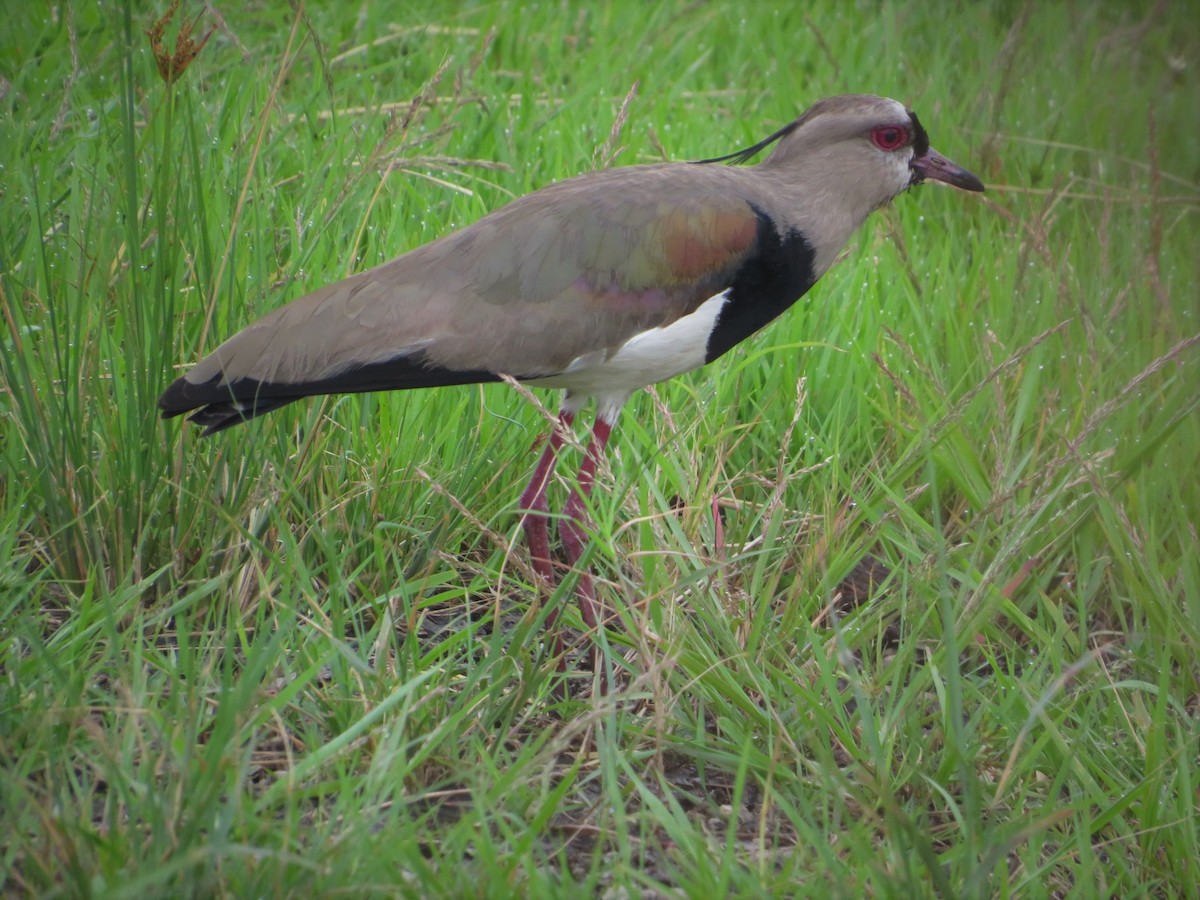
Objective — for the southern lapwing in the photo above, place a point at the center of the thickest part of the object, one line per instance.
(597, 286)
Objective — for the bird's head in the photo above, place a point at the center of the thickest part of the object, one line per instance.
(862, 149)
(866, 146)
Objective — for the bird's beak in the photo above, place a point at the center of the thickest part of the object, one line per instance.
(932, 164)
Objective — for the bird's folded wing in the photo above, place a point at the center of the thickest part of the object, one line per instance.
(566, 271)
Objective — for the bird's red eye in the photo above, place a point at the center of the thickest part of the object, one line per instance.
(890, 137)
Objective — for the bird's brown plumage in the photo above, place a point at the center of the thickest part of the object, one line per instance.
(565, 276)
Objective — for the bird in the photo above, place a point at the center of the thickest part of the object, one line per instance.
(598, 286)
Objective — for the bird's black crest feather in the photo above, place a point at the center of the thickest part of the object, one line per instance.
(749, 153)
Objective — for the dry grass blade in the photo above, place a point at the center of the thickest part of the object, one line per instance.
(611, 149)
(1128, 392)
(399, 33)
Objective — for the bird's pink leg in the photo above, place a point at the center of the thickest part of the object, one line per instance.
(574, 513)
(535, 506)
(533, 521)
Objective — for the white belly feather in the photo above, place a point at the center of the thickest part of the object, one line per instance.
(646, 358)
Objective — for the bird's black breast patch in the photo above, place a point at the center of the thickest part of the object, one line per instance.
(774, 276)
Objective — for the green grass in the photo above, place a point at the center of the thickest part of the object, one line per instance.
(305, 657)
